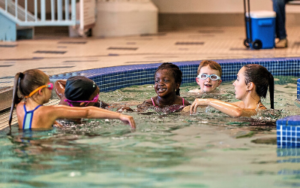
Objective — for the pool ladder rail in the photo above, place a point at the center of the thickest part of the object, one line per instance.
(18, 20)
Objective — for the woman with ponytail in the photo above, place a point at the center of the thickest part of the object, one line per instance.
(167, 80)
(35, 88)
(251, 84)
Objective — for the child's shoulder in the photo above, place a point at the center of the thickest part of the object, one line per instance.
(181, 101)
(260, 106)
(195, 90)
(239, 104)
(186, 103)
(149, 101)
(20, 107)
(144, 106)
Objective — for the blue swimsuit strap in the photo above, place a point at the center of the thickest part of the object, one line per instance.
(28, 114)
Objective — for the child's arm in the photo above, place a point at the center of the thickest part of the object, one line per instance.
(60, 88)
(60, 111)
(227, 108)
(195, 91)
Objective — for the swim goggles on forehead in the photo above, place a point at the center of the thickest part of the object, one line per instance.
(95, 99)
(204, 76)
(49, 86)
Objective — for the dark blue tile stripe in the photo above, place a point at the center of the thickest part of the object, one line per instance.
(112, 78)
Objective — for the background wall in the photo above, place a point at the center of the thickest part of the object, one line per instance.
(175, 14)
(215, 6)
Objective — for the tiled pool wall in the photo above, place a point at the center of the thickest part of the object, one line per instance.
(112, 78)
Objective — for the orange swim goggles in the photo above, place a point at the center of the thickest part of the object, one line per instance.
(49, 86)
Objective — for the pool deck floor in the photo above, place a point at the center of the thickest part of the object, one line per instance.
(56, 53)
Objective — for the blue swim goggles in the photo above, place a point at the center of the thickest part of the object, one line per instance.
(213, 77)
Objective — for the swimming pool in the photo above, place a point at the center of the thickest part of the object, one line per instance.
(208, 149)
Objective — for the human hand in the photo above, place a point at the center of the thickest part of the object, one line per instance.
(124, 109)
(186, 109)
(198, 102)
(128, 120)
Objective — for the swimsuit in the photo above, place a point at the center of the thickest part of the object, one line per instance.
(27, 121)
(157, 106)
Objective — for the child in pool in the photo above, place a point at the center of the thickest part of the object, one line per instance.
(78, 91)
(209, 77)
(167, 81)
(35, 88)
(251, 84)
(81, 91)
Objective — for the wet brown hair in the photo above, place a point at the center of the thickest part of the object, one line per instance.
(24, 84)
(262, 79)
(212, 64)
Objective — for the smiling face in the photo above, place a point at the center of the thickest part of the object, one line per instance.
(208, 85)
(165, 83)
(240, 86)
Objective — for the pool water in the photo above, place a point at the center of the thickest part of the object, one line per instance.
(208, 149)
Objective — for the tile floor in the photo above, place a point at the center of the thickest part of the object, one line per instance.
(59, 54)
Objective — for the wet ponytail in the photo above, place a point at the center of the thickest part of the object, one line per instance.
(16, 99)
(271, 90)
(262, 79)
(178, 92)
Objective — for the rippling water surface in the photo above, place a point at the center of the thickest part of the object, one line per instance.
(208, 149)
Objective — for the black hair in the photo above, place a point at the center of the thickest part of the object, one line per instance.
(175, 71)
(24, 84)
(79, 88)
(262, 79)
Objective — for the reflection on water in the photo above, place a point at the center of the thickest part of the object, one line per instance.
(208, 149)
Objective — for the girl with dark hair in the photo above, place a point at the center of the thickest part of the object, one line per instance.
(251, 84)
(79, 91)
(35, 88)
(167, 81)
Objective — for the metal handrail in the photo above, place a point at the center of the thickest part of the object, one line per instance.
(23, 17)
(9, 6)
